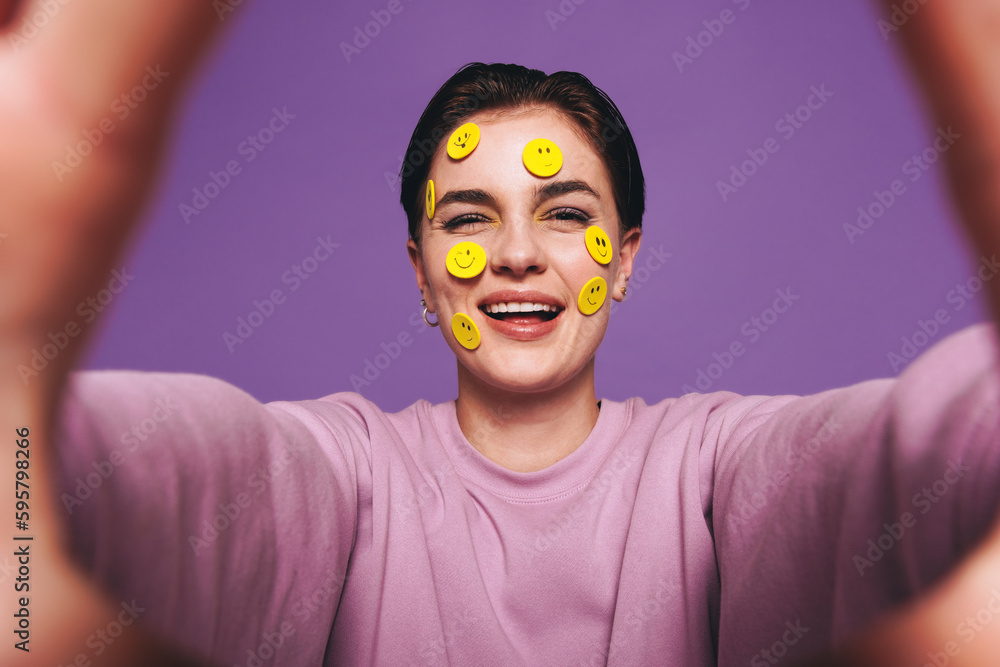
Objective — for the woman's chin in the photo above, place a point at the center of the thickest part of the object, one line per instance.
(525, 373)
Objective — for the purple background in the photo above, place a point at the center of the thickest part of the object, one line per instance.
(326, 174)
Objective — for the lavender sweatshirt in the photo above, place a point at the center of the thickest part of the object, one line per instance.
(706, 529)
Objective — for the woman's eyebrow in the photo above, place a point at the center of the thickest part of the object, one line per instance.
(467, 197)
(557, 188)
(545, 192)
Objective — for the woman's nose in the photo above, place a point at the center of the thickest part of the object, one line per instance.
(517, 248)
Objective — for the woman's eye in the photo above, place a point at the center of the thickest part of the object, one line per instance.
(467, 219)
(569, 214)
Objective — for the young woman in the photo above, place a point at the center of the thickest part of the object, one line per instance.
(525, 522)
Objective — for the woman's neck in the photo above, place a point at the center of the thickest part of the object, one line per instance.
(526, 432)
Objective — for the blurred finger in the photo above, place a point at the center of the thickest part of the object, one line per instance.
(91, 51)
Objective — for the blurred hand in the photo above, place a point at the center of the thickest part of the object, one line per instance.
(86, 92)
(953, 47)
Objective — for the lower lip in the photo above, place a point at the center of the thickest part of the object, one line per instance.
(524, 331)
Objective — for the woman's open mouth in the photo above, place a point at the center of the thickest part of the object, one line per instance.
(529, 318)
(521, 312)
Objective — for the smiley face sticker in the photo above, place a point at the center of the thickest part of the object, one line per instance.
(463, 141)
(542, 157)
(598, 244)
(466, 260)
(592, 295)
(465, 330)
(430, 202)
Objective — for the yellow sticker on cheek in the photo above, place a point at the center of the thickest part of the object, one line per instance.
(598, 244)
(466, 260)
(465, 330)
(463, 141)
(430, 199)
(592, 295)
(542, 157)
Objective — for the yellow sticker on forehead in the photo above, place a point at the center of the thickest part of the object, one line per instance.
(463, 141)
(542, 157)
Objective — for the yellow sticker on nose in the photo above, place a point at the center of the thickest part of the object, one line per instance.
(465, 330)
(466, 260)
(598, 244)
(430, 199)
(542, 157)
(463, 141)
(592, 295)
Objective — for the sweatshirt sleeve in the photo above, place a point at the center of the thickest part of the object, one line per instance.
(223, 523)
(832, 508)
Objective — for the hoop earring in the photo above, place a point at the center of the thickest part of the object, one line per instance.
(429, 323)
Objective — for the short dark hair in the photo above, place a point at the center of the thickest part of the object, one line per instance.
(497, 87)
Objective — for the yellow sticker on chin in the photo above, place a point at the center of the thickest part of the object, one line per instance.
(465, 330)
(430, 199)
(466, 260)
(598, 244)
(463, 141)
(592, 295)
(542, 157)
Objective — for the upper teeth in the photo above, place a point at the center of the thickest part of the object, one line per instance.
(518, 307)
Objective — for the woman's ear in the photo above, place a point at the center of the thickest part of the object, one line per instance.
(417, 260)
(626, 261)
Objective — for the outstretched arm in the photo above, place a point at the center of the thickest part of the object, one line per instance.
(953, 47)
(63, 221)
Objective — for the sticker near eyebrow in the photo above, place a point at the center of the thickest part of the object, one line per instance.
(542, 157)
(463, 141)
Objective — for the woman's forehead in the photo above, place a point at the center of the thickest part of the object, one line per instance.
(498, 159)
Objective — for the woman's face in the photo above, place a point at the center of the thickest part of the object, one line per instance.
(532, 230)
